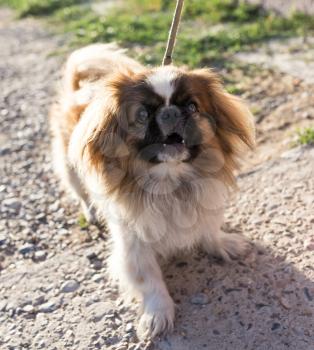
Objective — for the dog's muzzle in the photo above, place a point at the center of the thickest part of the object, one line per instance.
(170, 120)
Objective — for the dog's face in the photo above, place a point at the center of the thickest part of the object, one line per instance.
(164, 119)
(168, 116)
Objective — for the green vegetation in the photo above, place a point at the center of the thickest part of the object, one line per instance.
(306, 136)
(83, 224)
(37, 7)
(210, 32)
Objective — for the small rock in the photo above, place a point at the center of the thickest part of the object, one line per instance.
(122, 347)
(27, 248)
(3, 305)
(55, 206)
(97, 264)
(28, 308)
(39, 300)
(306, 115)
(42, 344)
(49, 306)
(307, 293)
(70, 286)
(12, 203)
(97, 278)
(137, 347)
(3, 239)
(199, 299)
(4, 112)
(110, 316)
(245, 282)
(129, 327)
(293, 154)
(275, 326)
(285, 302)
(94, 299)
(40, 255)
(117, 322)
(256, 220)
(309, 244)
(69, 333)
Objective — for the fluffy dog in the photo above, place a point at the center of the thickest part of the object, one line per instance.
(153, 152)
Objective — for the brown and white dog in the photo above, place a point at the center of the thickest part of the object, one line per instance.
(153, 151)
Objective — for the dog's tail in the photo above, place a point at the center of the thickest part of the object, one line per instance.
(93, 62)
(86, 66)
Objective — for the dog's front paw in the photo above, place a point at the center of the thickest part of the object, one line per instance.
(157, 318)
(234, 246)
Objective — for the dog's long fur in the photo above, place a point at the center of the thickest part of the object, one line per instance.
(152, 209)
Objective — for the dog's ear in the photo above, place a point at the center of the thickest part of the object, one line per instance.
(98, 138)
(234, 122)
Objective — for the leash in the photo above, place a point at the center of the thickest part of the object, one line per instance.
(173, 33)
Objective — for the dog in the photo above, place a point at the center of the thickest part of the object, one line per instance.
(152, 151)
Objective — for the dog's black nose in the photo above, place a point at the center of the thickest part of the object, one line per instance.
(168, 119)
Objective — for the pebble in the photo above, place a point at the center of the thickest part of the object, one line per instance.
(129, 327)
(42, 344)
(70, 286)
(199, 299)
(12, 203)
(3, 239)
(28, 308)
(309, 244)
(293, 154)
(40, 255)
(308, 294)
(97, 264)
(256, 220)
(3, 305)
(117, 321)
(275, 326)
(92, 300)
(27, 248)
(38, 300)
(122, 347)
(49, 306)
(97, 278)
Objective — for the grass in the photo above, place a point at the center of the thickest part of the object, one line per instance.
(211, 31)
(83, 224)
(306, 136)
(37, 7)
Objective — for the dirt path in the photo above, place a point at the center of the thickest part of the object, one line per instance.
(286, 6)
(53, 290)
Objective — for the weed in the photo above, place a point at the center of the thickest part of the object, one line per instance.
(306, 136)
(83, 224)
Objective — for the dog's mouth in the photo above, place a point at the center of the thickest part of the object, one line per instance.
(174, 149)
(174, 140)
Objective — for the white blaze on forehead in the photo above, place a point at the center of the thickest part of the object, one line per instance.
(162, 81)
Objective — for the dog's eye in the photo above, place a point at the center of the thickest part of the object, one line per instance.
(192, 107)
(142, 115)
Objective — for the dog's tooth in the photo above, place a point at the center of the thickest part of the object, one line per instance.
(164, 145)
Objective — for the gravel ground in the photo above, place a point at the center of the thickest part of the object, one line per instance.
(53, 289)
(286, 6)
